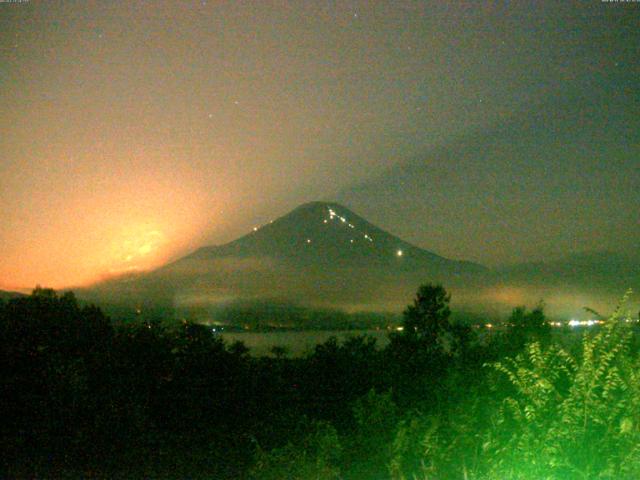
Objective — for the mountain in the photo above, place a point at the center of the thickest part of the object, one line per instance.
(332, 236)
(319, 254)
(322, 255)
(5, 295)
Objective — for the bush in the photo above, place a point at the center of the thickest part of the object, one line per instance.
(314, 456)
(570, 418)
(559, 416)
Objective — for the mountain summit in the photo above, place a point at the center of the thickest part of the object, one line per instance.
(319, 253)
(330, 235)
(323, 254)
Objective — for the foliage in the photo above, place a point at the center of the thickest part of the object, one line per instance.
(336, 374)
(570, 417)
(84, 397)
(428, 349)
(315, 456)
(527, 327)
(442, 444)
(560, 416)
(375, 418)
(428, 318)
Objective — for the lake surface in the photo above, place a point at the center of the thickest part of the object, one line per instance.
(297, 343)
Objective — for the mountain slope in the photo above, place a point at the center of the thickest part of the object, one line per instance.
(6, 295)
(329, 234)
(319, 254)
(324, 255)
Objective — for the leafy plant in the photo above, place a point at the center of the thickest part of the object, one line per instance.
(566, 417)
(314, 457)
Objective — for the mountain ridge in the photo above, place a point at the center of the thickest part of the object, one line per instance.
(8, 295)
(324, 255)
(320, 254)
(297, 234)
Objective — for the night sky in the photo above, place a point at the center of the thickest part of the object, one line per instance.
(132, 132)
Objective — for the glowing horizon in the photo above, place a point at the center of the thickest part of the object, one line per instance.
(440, 122)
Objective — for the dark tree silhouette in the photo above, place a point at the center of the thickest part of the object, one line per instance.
(151, 399)
(526, 327)
(279, 351)
(419, 355)
(428, 318)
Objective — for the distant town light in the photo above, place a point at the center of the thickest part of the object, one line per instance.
(584, 323)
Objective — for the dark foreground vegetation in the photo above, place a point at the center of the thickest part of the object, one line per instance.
(83, 398)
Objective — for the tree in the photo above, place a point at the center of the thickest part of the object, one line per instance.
(418, 355)
(552, 415)
(279, 351)
(527, 327)
(428, 318)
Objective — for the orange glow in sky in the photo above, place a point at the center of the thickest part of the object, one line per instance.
(137, 223)
(131, 133)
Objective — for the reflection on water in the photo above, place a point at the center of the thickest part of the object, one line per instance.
(297, 343)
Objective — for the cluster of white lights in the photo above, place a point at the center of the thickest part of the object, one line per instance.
(333, 214)
(584, 323)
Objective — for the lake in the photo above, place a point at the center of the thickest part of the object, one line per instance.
(297, 343)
